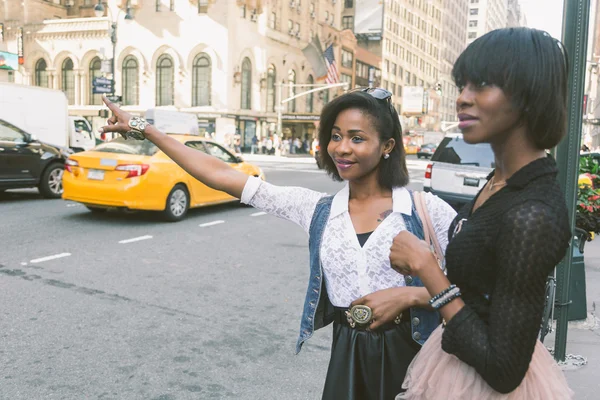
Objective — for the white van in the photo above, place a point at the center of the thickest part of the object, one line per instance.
(44, 113)
(174, 122)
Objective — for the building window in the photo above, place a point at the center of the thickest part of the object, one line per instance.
(290, 26)
(94, 72)
(202, 6)
(172, 5)
(472, 35)
(292, 91)
(346, 78)
(130, 81)
(474, 11)
(473, 24)
(349, 4)
(68, 80)
(273, 20)
(310, 96)
(325, 96)
(347, 59)
(246, 102)
(271, 79)
(157, 5)
(243, 11)
(474, 1)
(201, 81)
(165, 77)
(348, 22)
(41, 75)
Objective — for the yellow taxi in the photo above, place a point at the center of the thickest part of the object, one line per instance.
(136, 175)
(411, 148)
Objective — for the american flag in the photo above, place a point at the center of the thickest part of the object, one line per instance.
(332, 71)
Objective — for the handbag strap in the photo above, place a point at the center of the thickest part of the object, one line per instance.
(428, 231)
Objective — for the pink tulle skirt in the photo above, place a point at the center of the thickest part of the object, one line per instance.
(435, 374)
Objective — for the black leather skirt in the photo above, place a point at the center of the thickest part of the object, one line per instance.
(368, 365)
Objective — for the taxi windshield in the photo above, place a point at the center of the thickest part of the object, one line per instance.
(128, 146)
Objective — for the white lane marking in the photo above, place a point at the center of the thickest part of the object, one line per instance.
(135, 239)
(73, 205)
(258, 214)
(212, 223)
(54, 257)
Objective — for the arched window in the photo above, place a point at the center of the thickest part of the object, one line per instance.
(68, 80)
(271, 79)
(41, 75)
(246, 103)
(292, 90)
(201, 80)
(130, 81)
(309, 97)
(165, 81)
(95, 64)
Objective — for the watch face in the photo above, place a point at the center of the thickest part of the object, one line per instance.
(133, 122)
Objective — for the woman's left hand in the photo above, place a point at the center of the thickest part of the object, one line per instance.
(408, 253)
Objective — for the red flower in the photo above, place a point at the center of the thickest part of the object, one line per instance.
(590, 208)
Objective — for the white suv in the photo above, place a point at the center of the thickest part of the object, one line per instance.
(458, 170)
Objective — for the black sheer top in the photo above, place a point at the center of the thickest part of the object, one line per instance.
(500, 256)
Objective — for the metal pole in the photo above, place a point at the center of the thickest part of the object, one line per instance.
(113, 39)
(279, 109)
(575, 33)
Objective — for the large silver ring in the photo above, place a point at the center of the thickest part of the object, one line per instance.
(359, 315)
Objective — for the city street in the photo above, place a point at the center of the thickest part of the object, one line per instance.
(124, 306)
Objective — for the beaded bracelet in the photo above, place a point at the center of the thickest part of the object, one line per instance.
(440, 294)
(447, 298)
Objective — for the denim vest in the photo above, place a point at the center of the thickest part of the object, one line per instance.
(318, 310)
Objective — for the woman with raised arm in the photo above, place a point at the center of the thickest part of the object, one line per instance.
(513, 91)
(380, 319)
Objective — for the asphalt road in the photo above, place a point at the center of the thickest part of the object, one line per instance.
(124, 306)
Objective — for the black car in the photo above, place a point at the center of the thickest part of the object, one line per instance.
(426, 150)
(26, 162)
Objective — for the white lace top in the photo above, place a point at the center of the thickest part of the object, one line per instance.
(350, 271)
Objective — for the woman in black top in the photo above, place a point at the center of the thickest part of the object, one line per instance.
(505, 243)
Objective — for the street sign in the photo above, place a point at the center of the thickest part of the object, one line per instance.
(100, 80)
(101, 89)
(106, 66)
(101, 84)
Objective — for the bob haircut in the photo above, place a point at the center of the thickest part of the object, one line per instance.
(531, 68)
(392, 171)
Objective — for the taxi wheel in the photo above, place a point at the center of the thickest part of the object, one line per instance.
(178, 204)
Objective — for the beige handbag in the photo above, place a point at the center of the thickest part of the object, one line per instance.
(428, 231)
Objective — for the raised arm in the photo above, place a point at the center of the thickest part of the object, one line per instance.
(207, 169)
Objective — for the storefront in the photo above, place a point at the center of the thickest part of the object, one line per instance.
(246, 130)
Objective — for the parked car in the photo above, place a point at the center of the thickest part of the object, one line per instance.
(28, 162)
(458, 170)
(136, 175)
(426, 150)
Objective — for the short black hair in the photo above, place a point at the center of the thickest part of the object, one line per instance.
(531, 68)
(392, 171)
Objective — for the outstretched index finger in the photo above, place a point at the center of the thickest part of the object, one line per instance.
(112, 107)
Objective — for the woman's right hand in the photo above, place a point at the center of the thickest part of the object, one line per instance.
(118, 122)
(387, 304)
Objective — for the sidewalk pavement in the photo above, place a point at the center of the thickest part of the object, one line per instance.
(290, 158)
(583, 337)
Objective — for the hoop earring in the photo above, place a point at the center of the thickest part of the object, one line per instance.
(386, 156)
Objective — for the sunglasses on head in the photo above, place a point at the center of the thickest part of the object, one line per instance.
(377, 92)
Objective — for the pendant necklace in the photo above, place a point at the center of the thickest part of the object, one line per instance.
(492, 184)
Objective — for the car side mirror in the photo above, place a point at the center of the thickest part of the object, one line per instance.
(239, 159)
(33, 138)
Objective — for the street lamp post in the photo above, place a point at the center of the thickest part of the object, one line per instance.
(99, 11)
(318, 87)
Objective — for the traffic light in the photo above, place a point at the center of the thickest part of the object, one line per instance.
(438, 88)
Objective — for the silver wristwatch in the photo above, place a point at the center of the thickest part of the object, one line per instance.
(137, 126)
